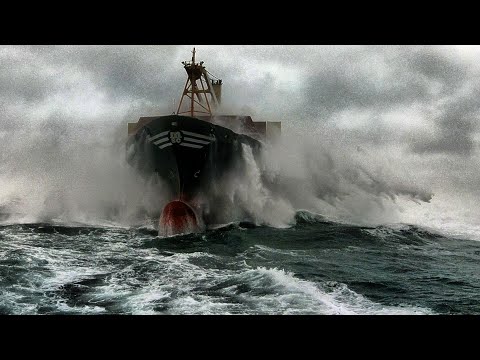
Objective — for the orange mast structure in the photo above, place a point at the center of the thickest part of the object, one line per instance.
(198, 89)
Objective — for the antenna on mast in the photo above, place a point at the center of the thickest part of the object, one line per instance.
(197, 88)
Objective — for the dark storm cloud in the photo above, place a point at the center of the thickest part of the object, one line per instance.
(32, 74)
(328, 93)
(454, 137)
(139, 72)
(455, 127)
(378, 80)
(21, 78)
(434, 66)
(404, 75)
(372, 80)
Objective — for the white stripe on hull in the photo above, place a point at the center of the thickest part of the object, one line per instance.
(165, 145)
(211, 138)
(161, 141)
(191, 145)
(158, 135)
(186, 138)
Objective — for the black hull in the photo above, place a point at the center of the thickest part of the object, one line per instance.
(188, 154)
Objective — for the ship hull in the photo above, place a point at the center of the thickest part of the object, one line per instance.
(189, 155)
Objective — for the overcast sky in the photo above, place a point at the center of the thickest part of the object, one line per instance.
(422, 100)
(388, 120)
(427, 93)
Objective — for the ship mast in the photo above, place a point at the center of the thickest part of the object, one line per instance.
(197, 88)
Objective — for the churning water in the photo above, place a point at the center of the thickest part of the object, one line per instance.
(313, 267)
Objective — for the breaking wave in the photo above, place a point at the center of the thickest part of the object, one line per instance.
(52, 269)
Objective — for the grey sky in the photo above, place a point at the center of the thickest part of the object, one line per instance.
(385, 121)
(421, 97)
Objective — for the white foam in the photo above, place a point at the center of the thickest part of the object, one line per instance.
(291, 295)
(181, 283)
(16, 304)
(452, 215)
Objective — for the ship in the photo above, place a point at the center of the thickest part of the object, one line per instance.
(191, 150)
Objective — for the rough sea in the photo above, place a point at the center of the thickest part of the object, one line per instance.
(340, 231)
(314, 267)
(367, 204)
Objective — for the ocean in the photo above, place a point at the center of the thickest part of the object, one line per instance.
(315, 266)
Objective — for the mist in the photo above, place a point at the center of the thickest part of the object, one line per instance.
(371, 134)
